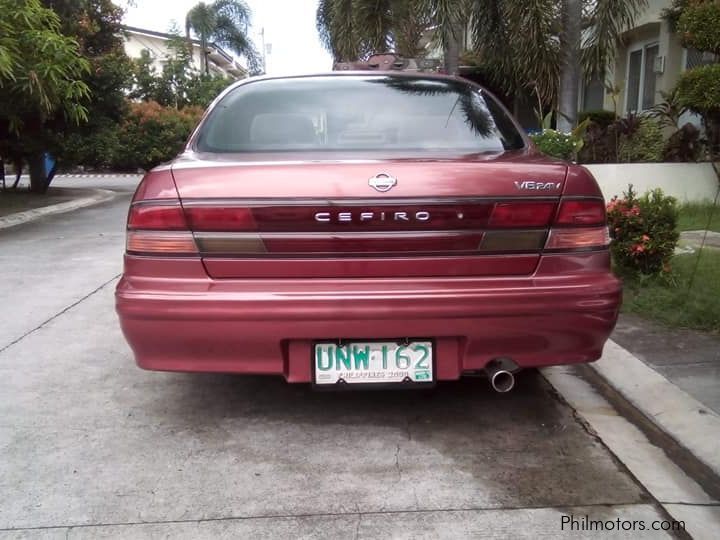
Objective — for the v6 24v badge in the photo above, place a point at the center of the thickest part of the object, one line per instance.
(537, 186)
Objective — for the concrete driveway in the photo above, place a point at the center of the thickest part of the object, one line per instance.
(93, 447)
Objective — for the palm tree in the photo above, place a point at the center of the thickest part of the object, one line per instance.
(570, 70)
(533, 45)
(224, 22)
(354, 29)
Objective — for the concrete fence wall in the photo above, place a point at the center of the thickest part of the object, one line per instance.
(688, 182)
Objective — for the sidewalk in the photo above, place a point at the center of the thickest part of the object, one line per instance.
(59, 201)
(695, 238)
(688, 359)
(667, 382)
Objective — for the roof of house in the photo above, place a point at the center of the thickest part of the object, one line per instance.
(164, 35)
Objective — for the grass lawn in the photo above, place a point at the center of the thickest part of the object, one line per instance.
(674, 305)
(694, 217)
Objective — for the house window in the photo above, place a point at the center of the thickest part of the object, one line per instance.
(594, 94)
(642, 79)
(695, 58)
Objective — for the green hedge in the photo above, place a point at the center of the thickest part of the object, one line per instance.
(148, 134)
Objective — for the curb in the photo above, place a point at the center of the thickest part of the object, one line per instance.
(19, 218)
(100, 175)
(95, 175)
(695, 238)
(689, 425)
(672, 488)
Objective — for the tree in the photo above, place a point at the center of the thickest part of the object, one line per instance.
(42, 74)
(698, 89)
(144, 78)
(177, 72)
(224, 22)
(354, 29)
(180, 84)
(97, 27)
(202, 90)
(532, 45)
(570, 71)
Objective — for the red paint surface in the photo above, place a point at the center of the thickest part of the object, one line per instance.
(262, 314)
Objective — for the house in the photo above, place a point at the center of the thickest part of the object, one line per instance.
(156, 43)
(648, 63)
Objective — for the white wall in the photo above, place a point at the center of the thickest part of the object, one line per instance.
(687, 182)
(652, 12)
(135, 43)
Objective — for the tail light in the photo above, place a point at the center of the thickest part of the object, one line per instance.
(579, 224)
(521, 214)
(165, 227)
(159, 228)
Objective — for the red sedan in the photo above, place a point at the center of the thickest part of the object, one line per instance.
(365, 229)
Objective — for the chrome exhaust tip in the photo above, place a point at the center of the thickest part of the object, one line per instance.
(502, 381)
(500, 374)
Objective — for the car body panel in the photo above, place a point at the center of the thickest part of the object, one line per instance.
(305, 258)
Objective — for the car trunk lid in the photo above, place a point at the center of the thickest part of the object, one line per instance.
(326, 217)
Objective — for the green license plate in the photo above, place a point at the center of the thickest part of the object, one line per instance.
(373, 362)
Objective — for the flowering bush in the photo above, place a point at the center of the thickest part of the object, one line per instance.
(151, 134)
(557, 144)
(644, 232)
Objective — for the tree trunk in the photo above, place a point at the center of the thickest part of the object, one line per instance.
(38, 175)
(203, 55)
(570, 68)
(451, 58)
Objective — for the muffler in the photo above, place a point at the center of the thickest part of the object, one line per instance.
(500, 375)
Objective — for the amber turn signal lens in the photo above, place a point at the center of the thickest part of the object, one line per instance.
(579, 238)
(161, 243)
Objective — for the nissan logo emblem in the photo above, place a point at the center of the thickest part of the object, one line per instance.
(382, 182)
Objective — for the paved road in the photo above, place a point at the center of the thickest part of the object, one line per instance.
(92, 447)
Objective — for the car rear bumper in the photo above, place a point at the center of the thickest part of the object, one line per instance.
(269, 326)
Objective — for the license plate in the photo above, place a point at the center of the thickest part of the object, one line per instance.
(373, 362)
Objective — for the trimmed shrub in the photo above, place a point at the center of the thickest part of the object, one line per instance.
(644, 143)
(699, 89)
(699, 26)
(152, 134)
(644, 232)
(557, 144)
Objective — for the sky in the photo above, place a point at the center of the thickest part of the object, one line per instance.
(289, 26)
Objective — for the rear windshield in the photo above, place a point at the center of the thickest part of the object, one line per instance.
(357, 113)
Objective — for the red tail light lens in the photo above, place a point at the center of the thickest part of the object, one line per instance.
(159, 228)
(227, 219)
(164, 217)
(579, 224)
(522, 214)
(581, 212)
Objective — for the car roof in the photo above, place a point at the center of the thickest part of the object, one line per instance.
(356, 73)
